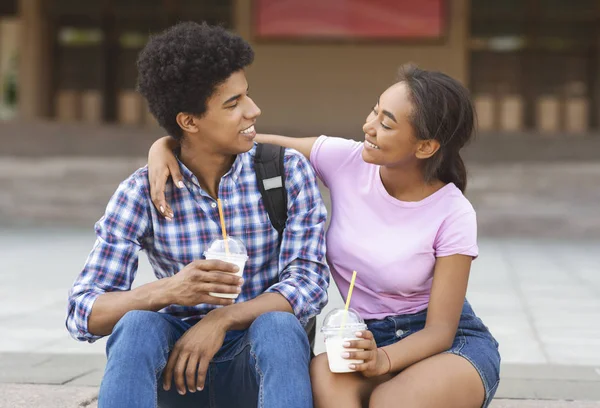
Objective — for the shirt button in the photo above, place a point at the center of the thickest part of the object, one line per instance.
(399, 333)
(214, 205)
(226, 202)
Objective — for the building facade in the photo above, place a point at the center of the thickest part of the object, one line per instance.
(531, 64)
(535, 65)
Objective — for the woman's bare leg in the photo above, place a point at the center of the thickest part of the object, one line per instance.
(348, 390)
(441, 381)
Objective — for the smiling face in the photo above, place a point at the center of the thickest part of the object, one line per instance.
(227, 126)
(389, 134)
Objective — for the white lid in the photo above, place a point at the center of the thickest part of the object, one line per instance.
(350, 319)
(236, 247)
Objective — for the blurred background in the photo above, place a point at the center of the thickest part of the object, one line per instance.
(532, 65)
(72, 126)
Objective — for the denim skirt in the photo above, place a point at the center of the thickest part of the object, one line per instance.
(473, 342)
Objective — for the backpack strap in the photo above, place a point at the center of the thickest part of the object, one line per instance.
(270, 176)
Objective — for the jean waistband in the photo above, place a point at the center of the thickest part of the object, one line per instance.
(416, 317)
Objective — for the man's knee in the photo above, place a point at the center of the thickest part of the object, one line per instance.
(137, 332)
(280, 330)
(278, 323)
(135, 321)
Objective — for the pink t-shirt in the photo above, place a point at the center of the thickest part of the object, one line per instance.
(392, 244)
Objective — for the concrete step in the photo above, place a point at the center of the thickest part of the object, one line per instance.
(60, 396)
(518, 381)
(43, 139)
(554, 200)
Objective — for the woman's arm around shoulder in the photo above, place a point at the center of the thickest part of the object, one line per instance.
(302, 144)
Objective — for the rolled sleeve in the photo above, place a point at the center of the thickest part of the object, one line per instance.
(113, 261)
(304, 276)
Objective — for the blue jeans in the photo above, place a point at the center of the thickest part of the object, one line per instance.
(263, 366)
(473, 342)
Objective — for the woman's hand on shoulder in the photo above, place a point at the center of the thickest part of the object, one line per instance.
(162, 164)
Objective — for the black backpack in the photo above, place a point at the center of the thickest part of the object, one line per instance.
(270, 175)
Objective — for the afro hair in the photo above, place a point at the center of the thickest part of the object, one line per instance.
(179, 69)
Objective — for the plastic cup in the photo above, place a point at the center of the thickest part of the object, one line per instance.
(339, 327)
(237, 255)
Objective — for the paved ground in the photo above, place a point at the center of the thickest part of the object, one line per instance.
(536, 283)
(540, 299)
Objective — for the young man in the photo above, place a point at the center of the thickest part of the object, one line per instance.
(170, 341)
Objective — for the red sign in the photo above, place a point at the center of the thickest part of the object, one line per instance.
(368, 19)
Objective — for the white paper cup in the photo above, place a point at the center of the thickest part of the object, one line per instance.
(239, 260)
(334, 344)
(335, 348)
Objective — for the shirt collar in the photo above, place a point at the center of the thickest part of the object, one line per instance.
(234, 172)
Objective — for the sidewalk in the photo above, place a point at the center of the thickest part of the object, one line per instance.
(540, 299)
(544, 313)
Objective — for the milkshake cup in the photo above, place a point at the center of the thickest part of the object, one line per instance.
(339, 327)
(232, 251)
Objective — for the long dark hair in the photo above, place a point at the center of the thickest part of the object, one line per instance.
(442, 110)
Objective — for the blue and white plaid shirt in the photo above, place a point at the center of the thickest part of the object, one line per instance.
(298, 270)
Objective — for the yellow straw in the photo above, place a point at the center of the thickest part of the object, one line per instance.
(223, 230)
(348, 302)
(350, 290)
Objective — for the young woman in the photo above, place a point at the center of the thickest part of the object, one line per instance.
(399, 218)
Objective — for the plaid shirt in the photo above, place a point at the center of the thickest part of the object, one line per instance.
(297, 270)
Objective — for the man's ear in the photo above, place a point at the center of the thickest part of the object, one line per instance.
(427, 148)
(187, 122)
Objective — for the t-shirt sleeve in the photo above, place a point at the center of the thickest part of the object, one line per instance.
(458, 236)
(330, 154)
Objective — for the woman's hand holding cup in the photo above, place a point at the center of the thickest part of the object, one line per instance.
(376, 361)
